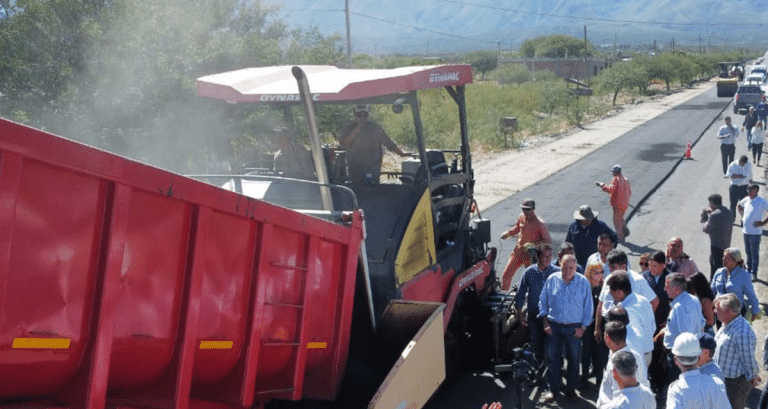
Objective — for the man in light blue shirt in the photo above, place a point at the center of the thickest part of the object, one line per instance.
(706, 364)
(684, 316)
(693, 390)
(566, 307)
(732, 278)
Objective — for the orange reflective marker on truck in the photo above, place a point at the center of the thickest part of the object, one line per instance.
(41, 343)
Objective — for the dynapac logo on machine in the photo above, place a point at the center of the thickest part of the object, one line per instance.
(284, 98)
(444, 77)
(471, 275)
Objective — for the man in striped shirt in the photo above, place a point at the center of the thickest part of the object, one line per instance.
(735, 351)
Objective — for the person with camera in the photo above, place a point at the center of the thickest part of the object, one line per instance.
(718, 224)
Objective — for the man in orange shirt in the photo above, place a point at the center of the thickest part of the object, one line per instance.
(532, 231)
(620, 192)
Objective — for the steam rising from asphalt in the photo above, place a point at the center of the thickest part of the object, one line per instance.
(139, 97)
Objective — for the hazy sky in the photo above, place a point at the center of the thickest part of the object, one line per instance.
(435, 25)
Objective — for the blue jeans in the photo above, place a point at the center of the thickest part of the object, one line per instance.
(736, 193)
(593, 353)
(727, 152)
(752, 244)
(563, 335)
(538, 337)
(673, 372)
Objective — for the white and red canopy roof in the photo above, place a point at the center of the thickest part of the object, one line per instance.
(328, 83)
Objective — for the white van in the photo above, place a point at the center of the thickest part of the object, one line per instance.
(759, 69)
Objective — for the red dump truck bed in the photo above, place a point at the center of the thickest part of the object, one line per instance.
(123, 284)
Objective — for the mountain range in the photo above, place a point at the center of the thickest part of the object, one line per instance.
(445, 26)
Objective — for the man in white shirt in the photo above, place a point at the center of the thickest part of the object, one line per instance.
(740, 174)
(617, 260)
(751, 209)
(727, 135)
(641, 319)
(693, 389)
(615, 339)
(632, 394)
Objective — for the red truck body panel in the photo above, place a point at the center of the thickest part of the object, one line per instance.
(127, 285)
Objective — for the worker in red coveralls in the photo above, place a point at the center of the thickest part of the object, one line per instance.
(620, 191)
(532, 231)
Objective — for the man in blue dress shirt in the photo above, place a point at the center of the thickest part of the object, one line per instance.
(530, 288)
(566, 307)
(684, 316)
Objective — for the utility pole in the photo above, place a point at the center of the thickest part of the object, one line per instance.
(499, 41)
(701, 51)
(349, 40)
(586, 70)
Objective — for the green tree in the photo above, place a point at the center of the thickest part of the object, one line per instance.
(45, 46)
(576, 108)
(553, 95)
(311, 47)
(483, 61)
(528, 48)
(661, 69)
(120, 74)
(685, 68)
(555, 46)
(622, 75)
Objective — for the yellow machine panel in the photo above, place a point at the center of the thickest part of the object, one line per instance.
(417, 250)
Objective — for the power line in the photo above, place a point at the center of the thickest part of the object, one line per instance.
(520, 11)
(603, 19)
(422, 28)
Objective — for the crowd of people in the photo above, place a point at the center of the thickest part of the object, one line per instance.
(668, 331)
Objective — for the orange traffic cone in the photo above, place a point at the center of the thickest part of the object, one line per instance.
(688, 151)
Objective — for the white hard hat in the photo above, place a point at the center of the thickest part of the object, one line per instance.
(687, 348)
